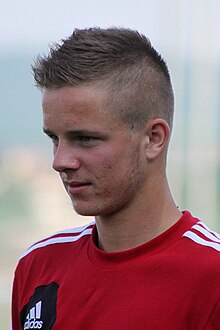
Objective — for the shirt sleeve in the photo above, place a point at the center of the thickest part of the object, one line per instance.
(15, 308)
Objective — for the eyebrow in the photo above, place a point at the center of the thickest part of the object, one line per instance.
(74, 133)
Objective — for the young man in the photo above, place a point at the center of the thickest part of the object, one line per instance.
(143, 264)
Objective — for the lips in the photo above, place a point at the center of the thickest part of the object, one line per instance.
(77, 187)
(77, 184)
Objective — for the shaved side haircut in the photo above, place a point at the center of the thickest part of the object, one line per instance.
(122, 62)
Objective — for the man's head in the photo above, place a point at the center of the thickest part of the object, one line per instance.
(107, 106)
(122, 62)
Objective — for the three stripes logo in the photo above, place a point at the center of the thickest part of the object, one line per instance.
(201, 234)
(33, 319)
(40, 310)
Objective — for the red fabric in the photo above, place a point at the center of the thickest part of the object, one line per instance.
(169, 283)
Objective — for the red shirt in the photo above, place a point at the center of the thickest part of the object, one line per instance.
(170, 283)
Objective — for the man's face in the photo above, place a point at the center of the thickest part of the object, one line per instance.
(101, 162)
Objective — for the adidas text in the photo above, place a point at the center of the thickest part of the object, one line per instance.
(34, 324)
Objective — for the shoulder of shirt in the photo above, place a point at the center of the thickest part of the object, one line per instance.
(202, 236)
(63, 236)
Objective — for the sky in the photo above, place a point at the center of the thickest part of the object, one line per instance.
(27, 24)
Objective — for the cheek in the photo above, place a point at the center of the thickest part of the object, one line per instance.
(101, 163)
(105, 174)
(111, 166)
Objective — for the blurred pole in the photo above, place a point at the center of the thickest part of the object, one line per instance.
(186, 111)
(186, 95)
(218, 156)
(218, 132)
(216, 55)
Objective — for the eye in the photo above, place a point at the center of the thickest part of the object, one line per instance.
(86, 139)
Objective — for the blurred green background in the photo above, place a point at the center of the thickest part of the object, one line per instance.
(32, 201)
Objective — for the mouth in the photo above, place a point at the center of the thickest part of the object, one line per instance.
(77, 187)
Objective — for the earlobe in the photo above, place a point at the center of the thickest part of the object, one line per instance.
(157, 138)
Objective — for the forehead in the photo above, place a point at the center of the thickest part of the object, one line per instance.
(68, 106)
(72, 96)
(71, 101)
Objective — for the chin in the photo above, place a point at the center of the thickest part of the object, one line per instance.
(96, 208)
(86, 211)
(95, 211)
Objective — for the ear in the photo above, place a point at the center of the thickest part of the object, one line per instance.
(157, 137)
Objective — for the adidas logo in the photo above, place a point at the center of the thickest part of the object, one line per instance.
(33, 319)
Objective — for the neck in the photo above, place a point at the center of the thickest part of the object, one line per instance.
(146, 218)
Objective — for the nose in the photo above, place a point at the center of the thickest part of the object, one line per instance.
(65, 158)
